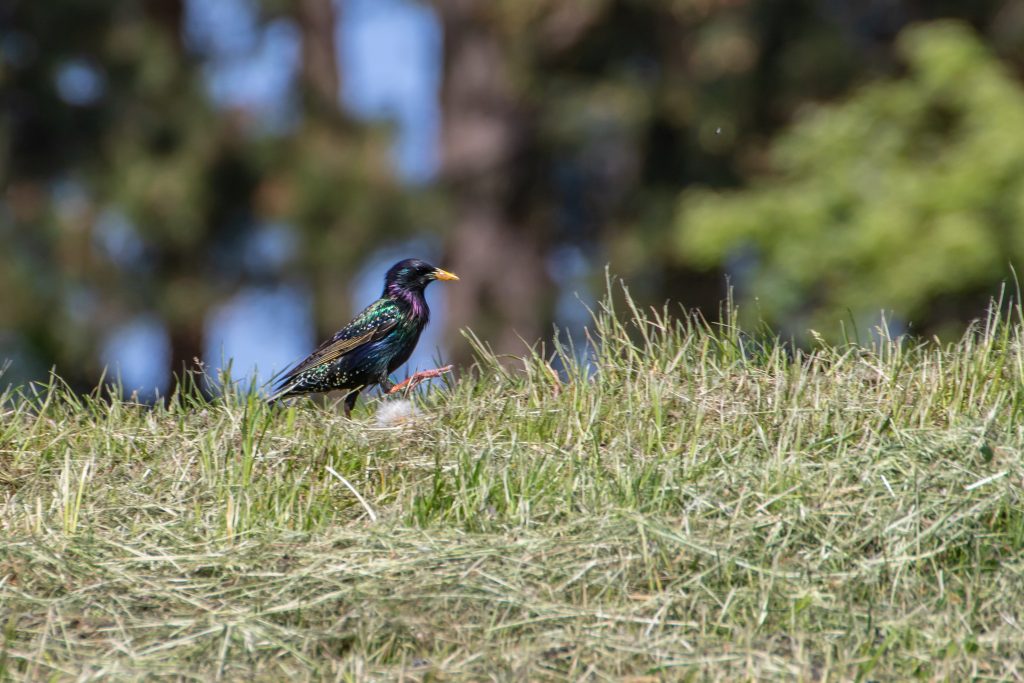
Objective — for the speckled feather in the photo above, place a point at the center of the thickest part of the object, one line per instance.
(372, 346)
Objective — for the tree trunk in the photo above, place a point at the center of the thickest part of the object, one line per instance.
(321, 81)
(499, 256)
(186, 350)
(186, 301)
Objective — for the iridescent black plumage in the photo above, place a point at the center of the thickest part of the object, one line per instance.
(374, 344)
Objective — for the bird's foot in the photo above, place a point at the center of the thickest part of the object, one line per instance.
(418, 377)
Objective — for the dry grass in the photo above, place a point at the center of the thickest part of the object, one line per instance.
(699, 506)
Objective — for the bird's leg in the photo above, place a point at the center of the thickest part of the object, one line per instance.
(350, 402)
(419, 377)
(386, 385)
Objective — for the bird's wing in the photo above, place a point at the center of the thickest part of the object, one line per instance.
(375, 321)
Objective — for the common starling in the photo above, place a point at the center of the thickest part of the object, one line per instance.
(367, 350)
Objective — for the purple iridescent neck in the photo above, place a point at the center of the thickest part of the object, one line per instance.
(413, 298)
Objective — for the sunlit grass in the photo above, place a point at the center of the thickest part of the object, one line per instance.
(694, 503)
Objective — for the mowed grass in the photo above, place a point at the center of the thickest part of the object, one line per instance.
(691, 504)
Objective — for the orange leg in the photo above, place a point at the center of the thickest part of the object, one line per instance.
(410, 383)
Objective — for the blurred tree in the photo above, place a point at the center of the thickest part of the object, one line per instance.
(908, 195)
(496, 246)
(129, 191)
(570, 127)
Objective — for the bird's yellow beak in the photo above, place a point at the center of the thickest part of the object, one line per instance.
(444, 275)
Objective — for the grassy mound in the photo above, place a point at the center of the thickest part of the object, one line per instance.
(687, 504)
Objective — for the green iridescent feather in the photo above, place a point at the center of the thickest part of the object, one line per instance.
(374, 344)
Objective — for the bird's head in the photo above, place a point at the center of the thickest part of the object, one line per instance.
(413, 275)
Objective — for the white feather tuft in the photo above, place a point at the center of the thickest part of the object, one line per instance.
(395, 412)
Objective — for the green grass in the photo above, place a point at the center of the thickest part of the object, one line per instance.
(699, 506)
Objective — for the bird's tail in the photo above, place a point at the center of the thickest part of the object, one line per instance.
(284, 386)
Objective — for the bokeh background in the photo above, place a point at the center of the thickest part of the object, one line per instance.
(227, 180)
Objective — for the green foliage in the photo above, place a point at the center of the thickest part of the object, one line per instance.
(189, 182)
(691, 505)
(571, 124)
(908, 192)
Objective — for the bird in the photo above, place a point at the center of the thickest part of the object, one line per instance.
(374, 344)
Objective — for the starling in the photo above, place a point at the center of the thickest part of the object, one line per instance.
(367, 350)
